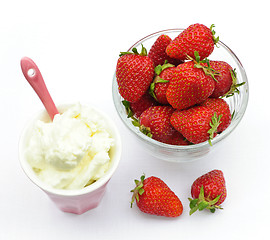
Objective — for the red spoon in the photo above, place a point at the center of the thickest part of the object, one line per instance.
(35, 79)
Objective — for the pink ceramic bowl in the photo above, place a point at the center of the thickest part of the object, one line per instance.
(73, 201)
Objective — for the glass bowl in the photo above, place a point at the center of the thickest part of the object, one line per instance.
(237, 103)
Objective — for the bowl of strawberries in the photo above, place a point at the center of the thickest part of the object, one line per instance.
(180, 92)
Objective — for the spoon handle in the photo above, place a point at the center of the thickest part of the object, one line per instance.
(35, 79)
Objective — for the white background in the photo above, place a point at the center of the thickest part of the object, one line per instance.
(76, 46)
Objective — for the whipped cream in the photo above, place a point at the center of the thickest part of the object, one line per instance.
(72, 151)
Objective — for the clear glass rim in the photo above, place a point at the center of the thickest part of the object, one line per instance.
(205, 144)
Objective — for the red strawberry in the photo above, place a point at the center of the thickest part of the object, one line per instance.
(161, 81)
(153, 196)
(137, 108)
(158, 51)
(155, 123)
(188, 86)
(196, 37)
(197, 124)
(222, 109)
(224, 78)
(226, 84)
(134, 74)
(208, 192)
(178, 139)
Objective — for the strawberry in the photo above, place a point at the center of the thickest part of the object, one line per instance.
(197, 37)
(137, 108)
(226, 84)
(155, 123)
(153, 196)
(161, 81)
(222, 109)
(208, 192)
(224, 78)
(134, 74)
(189, 85)
(158, 51)
(177, 139)
(197, 124)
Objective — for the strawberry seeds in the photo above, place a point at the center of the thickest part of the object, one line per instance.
(175, 94)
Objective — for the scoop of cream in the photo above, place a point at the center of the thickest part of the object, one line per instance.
(72, 151)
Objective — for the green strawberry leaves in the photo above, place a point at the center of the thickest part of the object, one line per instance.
(130, 114)
(135, 121)
(158, 79)
(153, 85)
(128, 109)
(201, 203)
(206, 69)
(234, 87)
(215, 121)
(135, 51)
(138, 190)
(160, 68)
(215, 39)
(146, 131)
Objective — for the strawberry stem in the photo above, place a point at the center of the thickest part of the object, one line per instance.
(143, 51)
